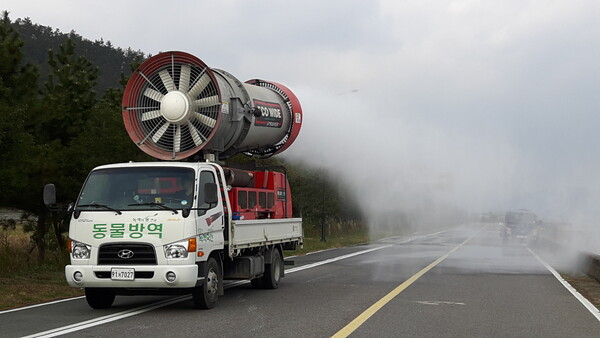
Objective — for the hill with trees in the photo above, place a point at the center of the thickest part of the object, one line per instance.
(111, 61)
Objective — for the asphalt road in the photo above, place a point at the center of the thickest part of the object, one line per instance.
(458, 283)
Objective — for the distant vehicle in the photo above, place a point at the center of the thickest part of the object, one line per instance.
(520, 226)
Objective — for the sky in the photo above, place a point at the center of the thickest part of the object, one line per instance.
(417, 107)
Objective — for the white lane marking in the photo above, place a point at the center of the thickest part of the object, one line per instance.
(381, 240)
(107, 319)
(41, 304)
(139, 310)
(335, 259)
(594, 310)
(437, 302)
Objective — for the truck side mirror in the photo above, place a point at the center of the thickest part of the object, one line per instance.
(49, 194)
(211, 195)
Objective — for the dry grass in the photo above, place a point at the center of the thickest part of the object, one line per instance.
(28, 290)
(314, 243)
(337, 234)
(24, 280)
(586, 286)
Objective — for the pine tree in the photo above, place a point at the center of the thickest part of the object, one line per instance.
(17, 81)
(17, 95)
(69, 94)
(18, 98)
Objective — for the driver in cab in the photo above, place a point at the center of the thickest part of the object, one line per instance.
(186, 194)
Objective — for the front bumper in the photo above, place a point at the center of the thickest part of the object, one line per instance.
(146, 276)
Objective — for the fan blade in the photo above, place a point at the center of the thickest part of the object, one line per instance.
(207, 102)
(195, 135)
(139, 108)
(177, 139)
(167, 80)
(159, 133)
(153, 94)
(184, 78)
(150, 115)
(199, 86)
(209, 121)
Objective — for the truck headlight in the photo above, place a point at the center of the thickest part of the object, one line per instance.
(80, 250)
(180, 249)
(176, 250)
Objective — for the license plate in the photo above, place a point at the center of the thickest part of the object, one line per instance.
(122, 274)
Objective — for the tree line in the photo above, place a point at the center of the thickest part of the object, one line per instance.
(60, 116)
(53, 128)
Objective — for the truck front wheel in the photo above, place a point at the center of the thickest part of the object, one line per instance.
(98, 298)
(206, 296)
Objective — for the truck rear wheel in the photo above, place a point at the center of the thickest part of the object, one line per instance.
(98, 298)
(272, 276)
(206, 296)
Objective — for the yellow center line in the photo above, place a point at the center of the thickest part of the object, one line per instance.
(363, 317)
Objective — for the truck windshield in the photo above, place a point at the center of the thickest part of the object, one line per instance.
(520, 218)
(146, 188)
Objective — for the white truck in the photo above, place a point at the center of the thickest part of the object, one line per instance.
(186, 226)
(520, 227)
(129, 235)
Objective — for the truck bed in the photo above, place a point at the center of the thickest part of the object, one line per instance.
(254, 233)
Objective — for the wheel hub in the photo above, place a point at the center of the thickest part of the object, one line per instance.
(212, 282)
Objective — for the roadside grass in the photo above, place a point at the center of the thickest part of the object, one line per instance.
(34, 289)
(314, 243)
(23, 280)
(586, 286)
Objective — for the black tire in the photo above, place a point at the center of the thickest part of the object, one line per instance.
(206, 295)
(99, 298)
(272, 275)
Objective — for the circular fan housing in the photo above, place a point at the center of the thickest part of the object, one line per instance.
(172, 106)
